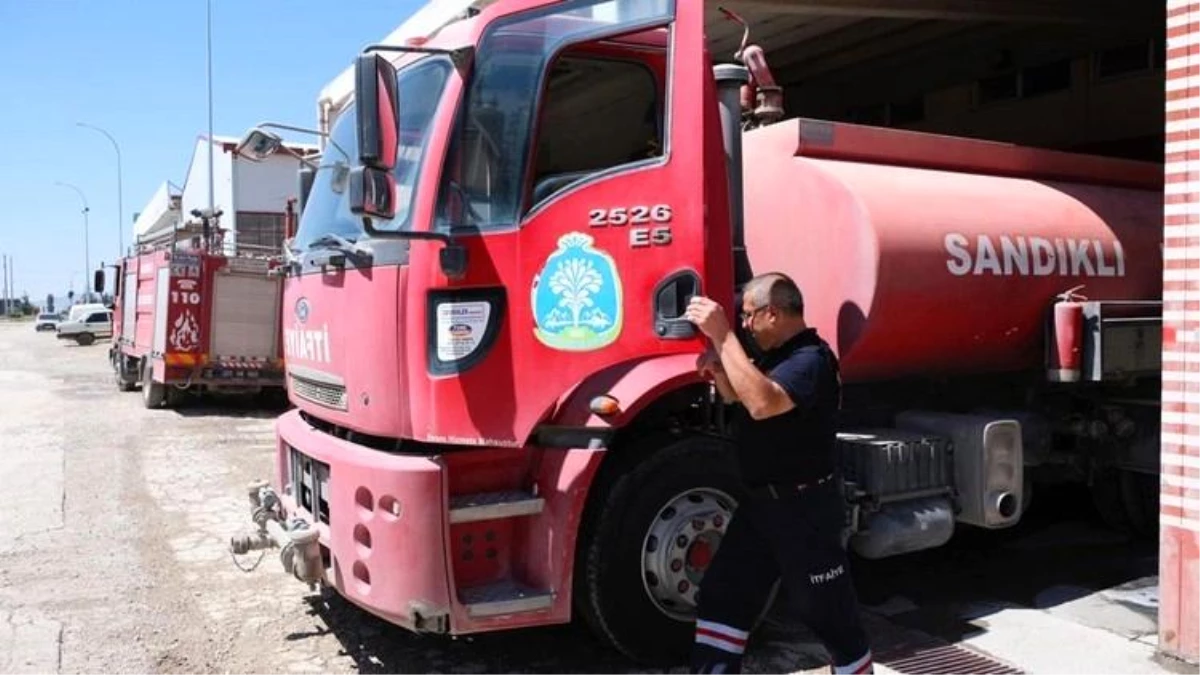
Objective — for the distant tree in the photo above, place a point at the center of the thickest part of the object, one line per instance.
(50, 303)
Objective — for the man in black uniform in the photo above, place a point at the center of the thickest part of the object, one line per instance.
(790, 525)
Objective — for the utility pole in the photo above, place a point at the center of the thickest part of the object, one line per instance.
(86, 258)
(120, 204)
(208, 53)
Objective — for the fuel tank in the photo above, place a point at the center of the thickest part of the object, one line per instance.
(928, 255)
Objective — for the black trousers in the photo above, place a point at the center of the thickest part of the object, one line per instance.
(794, 538)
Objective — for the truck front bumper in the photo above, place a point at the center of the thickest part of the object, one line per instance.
(380, 522)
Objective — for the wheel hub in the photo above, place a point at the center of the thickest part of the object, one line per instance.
(679, 546)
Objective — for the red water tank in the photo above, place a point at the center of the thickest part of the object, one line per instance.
(928, 255)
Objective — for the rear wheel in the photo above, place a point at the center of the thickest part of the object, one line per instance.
(1127, 500)
(153, 393)
(126, 381)
(651, 532)
(173, 397)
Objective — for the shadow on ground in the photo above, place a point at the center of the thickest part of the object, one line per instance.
(262, 406)
(1060, 552)
(379, 647)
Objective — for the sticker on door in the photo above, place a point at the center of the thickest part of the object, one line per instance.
(576, 297)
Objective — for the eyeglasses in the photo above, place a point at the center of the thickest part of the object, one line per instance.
(746, 316)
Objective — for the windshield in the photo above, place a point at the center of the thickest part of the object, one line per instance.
(327, 211)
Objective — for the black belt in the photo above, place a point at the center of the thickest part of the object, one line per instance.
(781, 490)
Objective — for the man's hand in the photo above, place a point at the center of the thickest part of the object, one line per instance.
(709, 365)
(708, 316)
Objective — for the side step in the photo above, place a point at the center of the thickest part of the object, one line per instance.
(493, 506)
(504, 597)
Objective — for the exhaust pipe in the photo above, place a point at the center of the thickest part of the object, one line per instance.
(730, 79)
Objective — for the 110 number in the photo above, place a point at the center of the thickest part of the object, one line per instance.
(185, 297)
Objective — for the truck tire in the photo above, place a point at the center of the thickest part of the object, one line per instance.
(172, 397)
(153, 393)
(1127, 501)
(1139, 492)
(125, 381)
(85, 339)
(633, 592)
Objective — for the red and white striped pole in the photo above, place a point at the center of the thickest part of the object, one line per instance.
(1179, 510)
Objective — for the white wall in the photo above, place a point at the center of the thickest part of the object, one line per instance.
(265, 186)
(156, 216)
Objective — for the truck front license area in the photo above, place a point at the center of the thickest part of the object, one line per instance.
(365, 522)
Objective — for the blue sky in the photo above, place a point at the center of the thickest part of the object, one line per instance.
(137, 69)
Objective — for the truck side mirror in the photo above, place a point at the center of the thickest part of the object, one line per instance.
(372, 192)
(258, 145)
(377, 111)
(98, 281)
(305, 177)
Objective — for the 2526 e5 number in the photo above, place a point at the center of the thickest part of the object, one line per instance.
(631, 215)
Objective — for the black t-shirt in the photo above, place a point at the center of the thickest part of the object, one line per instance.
(797, 446)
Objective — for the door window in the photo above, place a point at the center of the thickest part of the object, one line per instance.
(487, 181)
(597, 114)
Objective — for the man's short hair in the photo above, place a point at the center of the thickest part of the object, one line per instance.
(778, 291)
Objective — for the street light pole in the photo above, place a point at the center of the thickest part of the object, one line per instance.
(210, 108)
(87, 261)
(120, 204)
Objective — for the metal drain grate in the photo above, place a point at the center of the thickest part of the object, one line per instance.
(940, 658)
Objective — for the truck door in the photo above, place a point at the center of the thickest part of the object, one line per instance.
(576, 177)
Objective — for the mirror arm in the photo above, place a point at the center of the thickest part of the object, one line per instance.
(303, 160)
(460, 57)
(370, 229)
(304, 130)
(452, 256)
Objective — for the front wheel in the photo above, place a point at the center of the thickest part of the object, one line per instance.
(85, 339)
(650, 535)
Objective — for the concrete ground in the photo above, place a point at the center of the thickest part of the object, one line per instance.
(116, 519)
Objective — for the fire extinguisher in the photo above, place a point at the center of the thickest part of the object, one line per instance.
(1066, 353)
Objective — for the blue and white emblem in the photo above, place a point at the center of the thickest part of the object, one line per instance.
(576, 297)
(302, 310)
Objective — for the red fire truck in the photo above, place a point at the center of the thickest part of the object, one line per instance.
(499, 422)
(193, 315)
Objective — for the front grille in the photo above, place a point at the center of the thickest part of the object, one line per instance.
(310, 484)
(321, 393)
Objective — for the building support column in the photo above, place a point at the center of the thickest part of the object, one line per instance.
(1179, 503)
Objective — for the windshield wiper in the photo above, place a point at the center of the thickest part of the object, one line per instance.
(341, 245)
(337, 241)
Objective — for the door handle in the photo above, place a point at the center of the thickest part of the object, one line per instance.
(671, 297)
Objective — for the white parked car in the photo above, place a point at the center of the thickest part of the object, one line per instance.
(78, 312)
(84, 330)
(45, 321)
